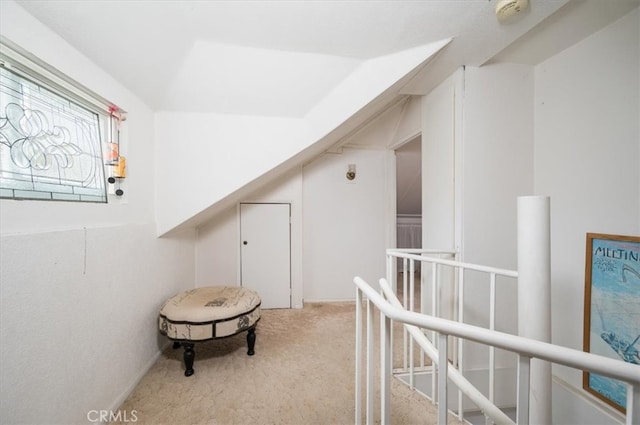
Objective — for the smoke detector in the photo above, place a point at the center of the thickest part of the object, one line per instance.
(506, 9)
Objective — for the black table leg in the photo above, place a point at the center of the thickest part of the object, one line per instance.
(189, 356)
(251, 341)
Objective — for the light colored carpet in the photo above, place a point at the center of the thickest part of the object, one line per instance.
(302, 373)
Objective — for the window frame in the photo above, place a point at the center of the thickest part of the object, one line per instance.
(27, 66)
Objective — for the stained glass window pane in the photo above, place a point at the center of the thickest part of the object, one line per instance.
(50, 147)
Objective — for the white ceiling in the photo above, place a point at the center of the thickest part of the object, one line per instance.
(279, 58)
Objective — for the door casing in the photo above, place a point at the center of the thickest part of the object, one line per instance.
(265, 251)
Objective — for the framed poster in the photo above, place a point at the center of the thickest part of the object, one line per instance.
(612, 309)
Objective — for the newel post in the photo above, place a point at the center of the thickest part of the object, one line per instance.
(534, 296)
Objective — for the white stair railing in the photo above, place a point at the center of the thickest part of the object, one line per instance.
(410, 257)
(525, 348)
(441, 261)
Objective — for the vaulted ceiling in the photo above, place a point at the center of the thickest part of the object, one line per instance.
(271, 58)
(310, 61)
(280, 58)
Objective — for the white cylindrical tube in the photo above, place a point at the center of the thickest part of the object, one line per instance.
(534, 295)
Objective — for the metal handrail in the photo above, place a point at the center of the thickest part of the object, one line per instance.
(434, 257)
(404, 253)
(485, 404)
(525, 347)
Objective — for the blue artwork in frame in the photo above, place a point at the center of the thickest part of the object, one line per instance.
(612, 309)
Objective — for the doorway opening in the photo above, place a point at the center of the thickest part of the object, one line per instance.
(409, 194)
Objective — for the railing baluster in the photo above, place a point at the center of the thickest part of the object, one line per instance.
(385, 369)
(412, 271)
(443, 364)
(423, 298)
(434, 312)
(358, 389)
(390, 278)
(392, 267)
(492, 326)
(522, 396)
(405, 295)
(460, 353)
(411, 308)
(633, 404)
(370, 392)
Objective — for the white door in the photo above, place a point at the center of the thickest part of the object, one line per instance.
(266, 252)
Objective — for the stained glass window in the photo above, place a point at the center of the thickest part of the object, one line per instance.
(50, 146)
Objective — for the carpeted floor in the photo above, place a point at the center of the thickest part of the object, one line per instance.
(302, 373)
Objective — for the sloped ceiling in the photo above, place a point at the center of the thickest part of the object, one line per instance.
(284, 59)
(209, 56)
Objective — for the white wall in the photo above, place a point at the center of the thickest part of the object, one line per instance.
(217, 155)
(440, 116)
(392, 128)
(218, 244)
(477, 159)
(477, 147)
(338, 230)
(441, 139)
(498, 159)
(567, 128)
(559, 129)
(346, 226)
(202, 158)
(137, 205)
(217, 252)
(497, 168)
(410, 124)
(79, 317)
(587, 147)
(81, 284)
(345, 222)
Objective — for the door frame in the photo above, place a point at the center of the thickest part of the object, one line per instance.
(295, 299)
(392, 213)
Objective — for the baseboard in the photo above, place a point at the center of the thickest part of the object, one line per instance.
(136, 380)
(345, 300)
(590, 410)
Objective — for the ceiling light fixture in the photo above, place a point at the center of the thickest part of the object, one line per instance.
(506, 9)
